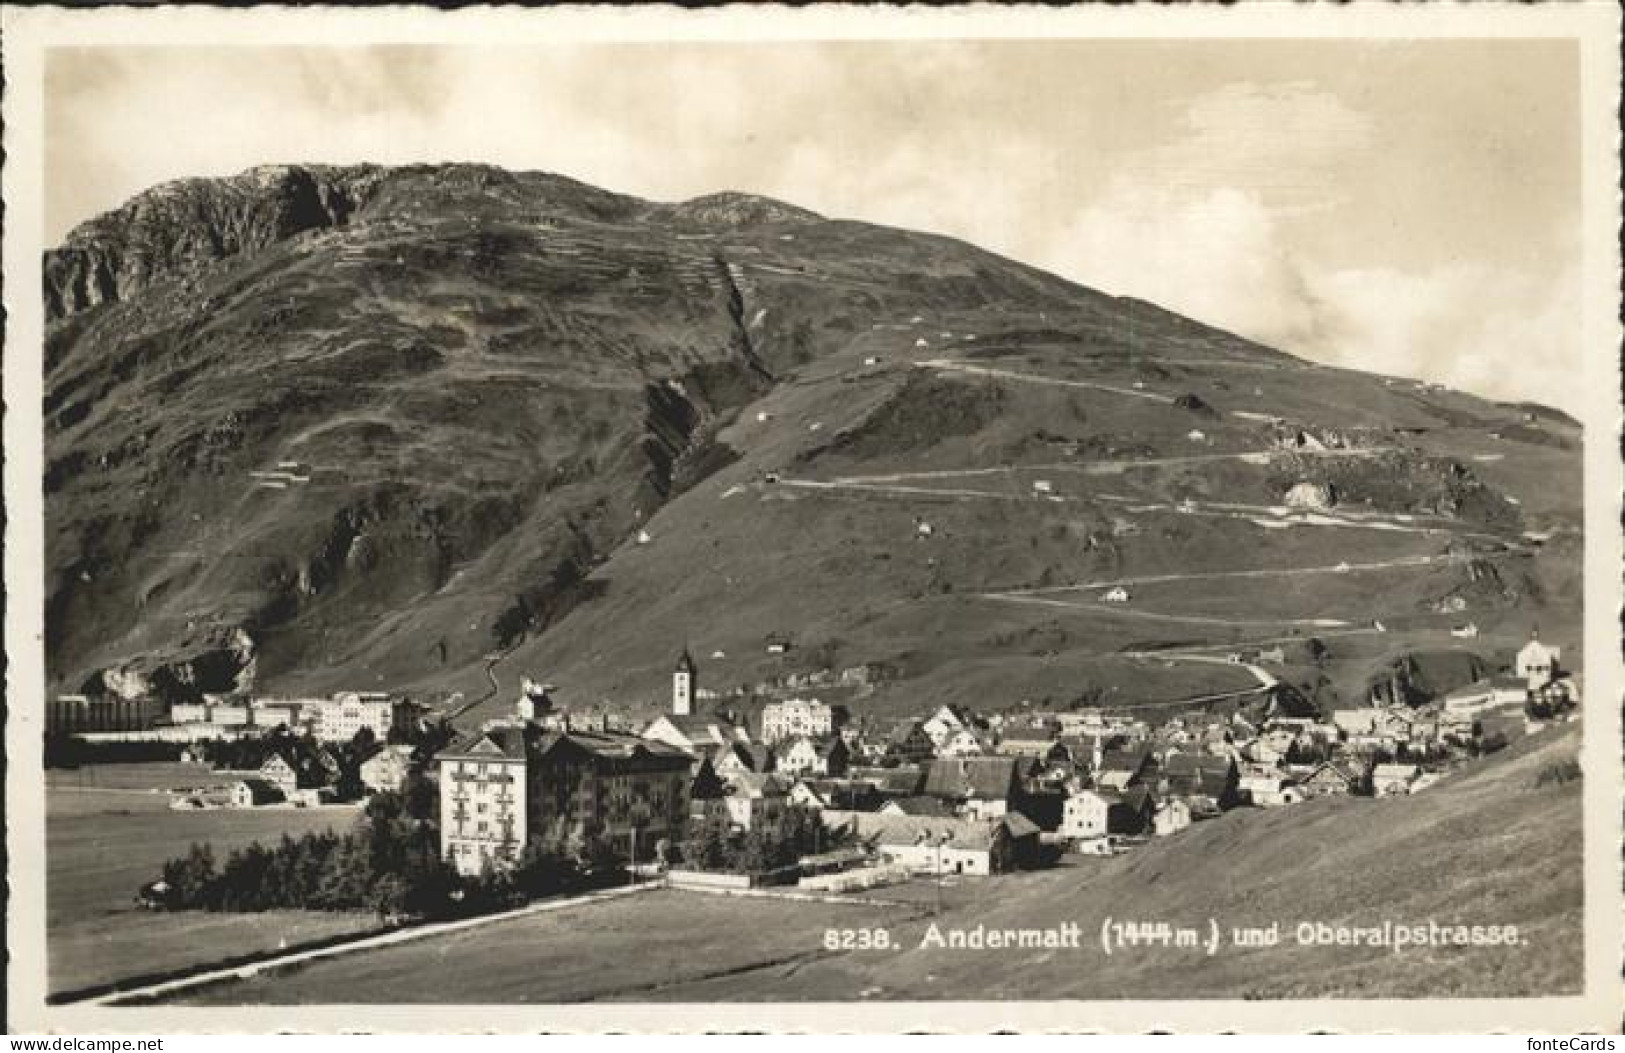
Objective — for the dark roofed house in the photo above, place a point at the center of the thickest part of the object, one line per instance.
(1330, 779)
(251, 792)
(992, 778)
(733, 757)
(1133, 812)
(1123, 768)
(984, 787)
(1209, 784)
(909, 743)
(945, 844)
(905, 780)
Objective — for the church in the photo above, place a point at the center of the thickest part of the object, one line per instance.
(683, 727)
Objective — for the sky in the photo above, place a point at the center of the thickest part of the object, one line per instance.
(1404, 207)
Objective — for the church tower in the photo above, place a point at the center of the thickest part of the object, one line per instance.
(683, 682)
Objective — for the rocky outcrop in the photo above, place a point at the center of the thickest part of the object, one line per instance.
(221, 662)
(187, 224)
(1317, 496)
(731, 209)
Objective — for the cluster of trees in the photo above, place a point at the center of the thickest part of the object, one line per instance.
(389, 863)
(770, 844)
(64, 750)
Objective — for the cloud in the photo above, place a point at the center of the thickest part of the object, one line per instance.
(1489, 330)
(1219, 224)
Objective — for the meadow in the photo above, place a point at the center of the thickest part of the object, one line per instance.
(108, 833)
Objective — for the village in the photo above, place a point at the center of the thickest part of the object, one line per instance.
(953, 792)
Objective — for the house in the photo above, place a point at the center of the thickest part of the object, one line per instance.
(941, 725)
(961, 742)
(797, 716)
(387, 769)
(1134, 812)
(755, 797)
(731, 758)
(942, 845)
(512, 781)
(1329, 780)
(1208, 784)
(1087, 813)
(910, 743)
(1537, 663)
(1121, 768)
(1116, 594)
(1268, 787)
(986, 786)
(1172, 816)
(1031, 736)
(1393, 780)
(252, 792)
(1465, 632)
(904, 780)
(804, 755)
(282, 772)
(810, 793)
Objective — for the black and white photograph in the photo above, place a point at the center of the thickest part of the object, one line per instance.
(868, 509)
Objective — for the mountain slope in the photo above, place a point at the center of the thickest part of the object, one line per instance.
(425, 428)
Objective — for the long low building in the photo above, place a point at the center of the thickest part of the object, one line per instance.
(945, 844)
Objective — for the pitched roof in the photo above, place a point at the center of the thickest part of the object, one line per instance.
(909, 830)
(1139, 798)
(1019, 825)
(990, 778)
(697, 727)
(1332, 769)
(752, 757)
(495, 740)
(903, 730)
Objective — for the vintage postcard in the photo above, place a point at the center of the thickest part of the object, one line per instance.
(813, 520)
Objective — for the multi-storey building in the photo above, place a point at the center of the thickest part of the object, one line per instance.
(340, 718)
(512, 782)
(796, 716)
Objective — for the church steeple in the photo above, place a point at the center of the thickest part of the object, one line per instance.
(684, 679)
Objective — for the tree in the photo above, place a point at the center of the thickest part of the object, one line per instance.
(420, 797)
(191, 878)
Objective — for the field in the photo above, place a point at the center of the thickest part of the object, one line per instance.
(103, 842)
(1486, 847)
(642, 948)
